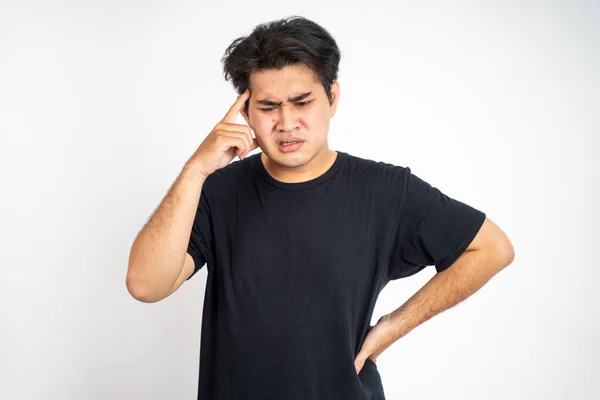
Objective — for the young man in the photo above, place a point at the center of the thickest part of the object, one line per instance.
(299, 240)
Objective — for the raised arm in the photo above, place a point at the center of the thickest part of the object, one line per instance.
(159, 262)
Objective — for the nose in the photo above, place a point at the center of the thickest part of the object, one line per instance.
(287, 118)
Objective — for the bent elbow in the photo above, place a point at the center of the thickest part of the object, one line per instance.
(507, 253)
(140, 292)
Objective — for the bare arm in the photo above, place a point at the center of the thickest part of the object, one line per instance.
(158, 262)
(447, 288)
(488, 253)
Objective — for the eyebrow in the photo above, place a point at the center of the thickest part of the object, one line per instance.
(274, 103)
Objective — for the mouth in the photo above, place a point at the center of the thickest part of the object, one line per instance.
(289, 140)
(289, 145)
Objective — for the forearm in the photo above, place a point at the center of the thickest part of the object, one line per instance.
(447, 288)
(158, 253)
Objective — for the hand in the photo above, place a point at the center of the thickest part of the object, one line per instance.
(379, 338)
(225, 141)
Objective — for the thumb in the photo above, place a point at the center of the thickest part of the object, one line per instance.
(359, 362)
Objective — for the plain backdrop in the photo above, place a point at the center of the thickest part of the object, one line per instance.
(497, 104)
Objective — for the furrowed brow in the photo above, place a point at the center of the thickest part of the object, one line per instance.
(275, 103)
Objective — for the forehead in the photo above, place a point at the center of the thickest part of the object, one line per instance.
(289, 81)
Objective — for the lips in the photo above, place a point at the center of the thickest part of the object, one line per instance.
(290, 139)
(290, 148)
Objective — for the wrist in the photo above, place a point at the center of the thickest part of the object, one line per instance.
(193, 167)
(398, 324)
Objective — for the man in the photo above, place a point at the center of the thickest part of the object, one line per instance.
(298, 239)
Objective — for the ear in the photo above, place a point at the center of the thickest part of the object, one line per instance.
(335, 96)
(246, 117)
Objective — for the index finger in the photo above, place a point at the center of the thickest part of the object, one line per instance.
(236, 107)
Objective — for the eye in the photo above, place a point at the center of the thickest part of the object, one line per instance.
(300, 104)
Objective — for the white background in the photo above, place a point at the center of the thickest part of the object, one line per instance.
(101, 103)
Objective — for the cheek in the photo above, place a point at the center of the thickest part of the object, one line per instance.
(317, 120)
(262, 125)
(257, 119)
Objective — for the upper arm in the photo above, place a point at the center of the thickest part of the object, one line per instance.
(200, 245)
(186, 272)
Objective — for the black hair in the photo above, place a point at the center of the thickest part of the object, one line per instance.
(281, 43)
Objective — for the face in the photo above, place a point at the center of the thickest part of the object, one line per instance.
(290, 105)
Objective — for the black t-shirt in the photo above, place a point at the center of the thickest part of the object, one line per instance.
(295, 269)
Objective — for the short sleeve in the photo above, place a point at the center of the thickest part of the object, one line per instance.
(200, 243)
(434, 229)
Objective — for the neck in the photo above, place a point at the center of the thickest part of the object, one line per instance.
(314, 168)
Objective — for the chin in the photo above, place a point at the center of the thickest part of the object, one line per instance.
(296, 162)
(290, 160)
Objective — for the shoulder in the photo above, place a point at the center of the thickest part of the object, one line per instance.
(227, 180)
(378, 171)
